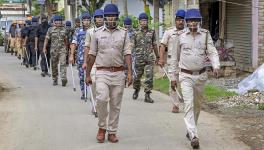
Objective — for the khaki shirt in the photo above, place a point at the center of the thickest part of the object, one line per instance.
(191, 51)
(168, 39)
(110, 47)
(89, 35)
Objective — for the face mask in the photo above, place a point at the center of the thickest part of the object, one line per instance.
(111, 22)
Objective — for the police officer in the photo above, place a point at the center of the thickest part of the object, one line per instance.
(39, 44)
(109, 47)
(19, 39)
(58, 36)
(26, 50)
(34, 53)
(98, 19)
(70, 32)
(12, 37)
(168, 41)
(144, 45)
(78, 42)
(77, 23)
(194, 44)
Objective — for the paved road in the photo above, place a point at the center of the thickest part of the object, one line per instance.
(34, 115)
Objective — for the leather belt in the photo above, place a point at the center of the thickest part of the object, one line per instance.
(193, 72)
(111, 69)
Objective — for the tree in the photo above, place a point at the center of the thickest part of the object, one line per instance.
(93, 5)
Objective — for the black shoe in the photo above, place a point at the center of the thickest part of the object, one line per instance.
(26, 65)
(43, 74)
(46, 73)
(148, 99)
(35, 68)
(64, 82)
(135, 95)
(55, 82)
(83, 97)
(188, 136)
(195, 143)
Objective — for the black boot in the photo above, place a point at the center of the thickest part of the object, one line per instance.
(148, 99)
(135, 95)
(64, 82)
(55, 82)
(43, 74)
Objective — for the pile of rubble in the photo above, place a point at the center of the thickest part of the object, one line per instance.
(249, 99)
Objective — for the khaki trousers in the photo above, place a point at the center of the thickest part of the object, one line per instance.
(109, 90)
(192, 87)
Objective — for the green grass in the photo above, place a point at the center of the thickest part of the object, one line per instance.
(162, 85)
(212, 92)
(261, 106)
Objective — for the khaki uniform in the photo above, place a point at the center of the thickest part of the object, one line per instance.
(109, 49)
(168, 39)
(88, 39)
(191, 53)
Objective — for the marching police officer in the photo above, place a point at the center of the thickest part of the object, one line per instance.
(26, 50)
(58, 35)
(98, 19)
(78, 42)
(144, 44)
(168, 41)
(109, 47)
(34, 53)
(39, 44)
(194, 44)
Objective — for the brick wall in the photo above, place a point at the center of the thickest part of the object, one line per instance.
(261, 32)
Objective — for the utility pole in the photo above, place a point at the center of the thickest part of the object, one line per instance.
(175, 6)
(156, 18)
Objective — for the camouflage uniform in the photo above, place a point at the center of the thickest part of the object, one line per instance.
(79, 40)
(58, 35)
(142, 47)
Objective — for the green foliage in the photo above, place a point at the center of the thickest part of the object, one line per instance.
(212, 93)
(162, 85)
(61, 13)
(133, 18)
(261, 106)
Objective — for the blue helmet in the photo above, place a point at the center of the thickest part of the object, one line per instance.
(143, 16)
(180, 13)
(98, 12)
(111, 9)
(86, 15)
(127, 21)
(193, 14)
(57, 18)
(28, 22)
(35, 19)
(68, 23)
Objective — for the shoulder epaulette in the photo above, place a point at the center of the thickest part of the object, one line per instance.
(169, 28)
(180, 32)
(204, 30)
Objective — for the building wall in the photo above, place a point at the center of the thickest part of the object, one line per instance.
(261, 33)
